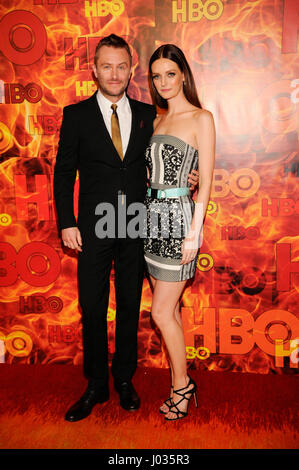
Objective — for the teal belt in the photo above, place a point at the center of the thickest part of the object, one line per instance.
(170, 192)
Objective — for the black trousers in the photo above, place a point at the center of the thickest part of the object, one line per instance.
(94, 267)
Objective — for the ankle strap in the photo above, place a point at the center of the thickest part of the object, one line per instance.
(180, 389)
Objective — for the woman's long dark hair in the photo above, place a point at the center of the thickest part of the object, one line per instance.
(174, 53)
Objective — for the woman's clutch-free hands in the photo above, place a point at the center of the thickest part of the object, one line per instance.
(194, 238)
(189, 248)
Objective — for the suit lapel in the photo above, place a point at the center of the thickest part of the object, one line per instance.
(134, 129)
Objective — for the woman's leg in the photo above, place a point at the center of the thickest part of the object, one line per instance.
(177, 316)
(165, 301)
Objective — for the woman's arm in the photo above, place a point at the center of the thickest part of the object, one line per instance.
(206, 143)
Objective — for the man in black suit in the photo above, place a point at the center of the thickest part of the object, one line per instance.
(107, 147)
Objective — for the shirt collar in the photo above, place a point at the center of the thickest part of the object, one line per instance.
(105, 104)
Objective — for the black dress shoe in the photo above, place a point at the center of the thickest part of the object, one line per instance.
(83, 407)
(129, 399)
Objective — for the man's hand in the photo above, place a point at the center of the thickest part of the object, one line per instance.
(71, 238)
(193, 179)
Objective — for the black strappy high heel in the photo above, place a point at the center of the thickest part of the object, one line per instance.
(168, 403)
(174, 406)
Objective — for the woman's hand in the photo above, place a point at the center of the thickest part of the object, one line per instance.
(189, 249)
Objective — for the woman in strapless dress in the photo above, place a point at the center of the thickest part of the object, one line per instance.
(183, 140)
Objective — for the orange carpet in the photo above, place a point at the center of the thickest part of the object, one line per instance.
(236, 411)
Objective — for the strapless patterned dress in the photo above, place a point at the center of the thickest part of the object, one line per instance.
(169, 160)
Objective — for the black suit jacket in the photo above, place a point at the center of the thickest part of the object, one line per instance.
(85, 145)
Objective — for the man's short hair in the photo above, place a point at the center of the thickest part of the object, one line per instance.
(112, 41)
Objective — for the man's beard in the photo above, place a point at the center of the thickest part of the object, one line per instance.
(113, 93)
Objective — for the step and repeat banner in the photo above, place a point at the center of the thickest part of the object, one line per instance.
(240, 313)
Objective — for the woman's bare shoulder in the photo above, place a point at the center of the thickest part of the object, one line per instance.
(203, 120)
(203, 115)
(203, 126)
